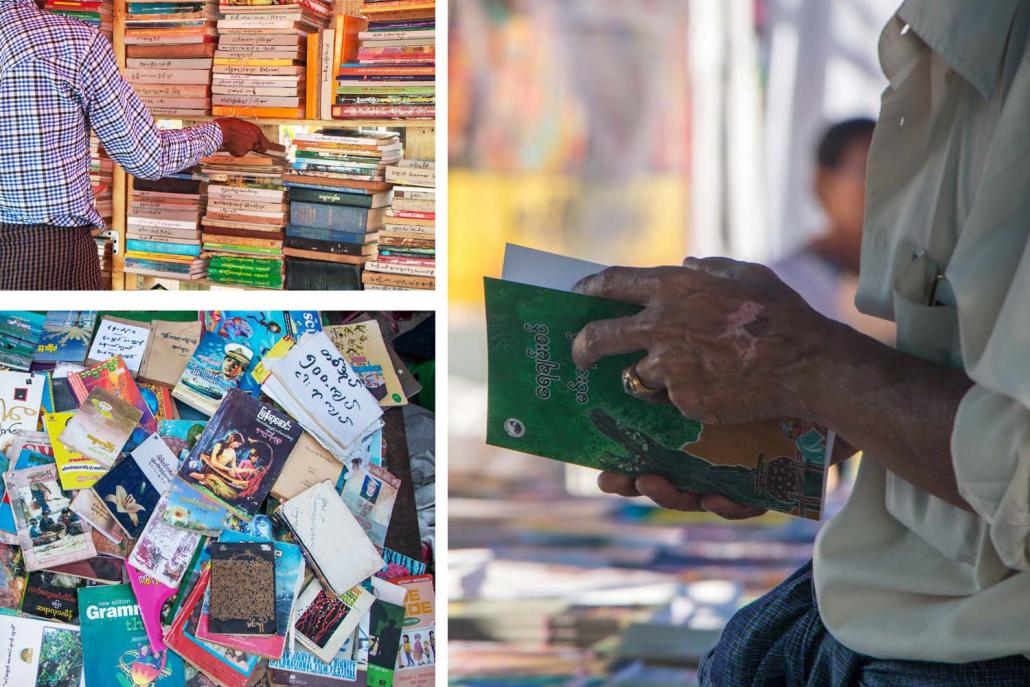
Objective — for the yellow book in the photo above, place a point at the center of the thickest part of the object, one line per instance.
(162, 257)
(312, 83)
(259, 112)
(75, 470)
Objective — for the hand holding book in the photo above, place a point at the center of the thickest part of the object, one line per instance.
(240, 137)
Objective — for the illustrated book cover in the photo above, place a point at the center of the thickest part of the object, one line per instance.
(370, 495)
(540, 403)
(52, 596)
(102, 427)
(325, 621)
(164, 552)
(114, 376)
(66, 336)
(30, 648)
(367, 352)
(20, 332)
(75, 470)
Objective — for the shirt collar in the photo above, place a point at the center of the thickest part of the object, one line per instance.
(970, 36)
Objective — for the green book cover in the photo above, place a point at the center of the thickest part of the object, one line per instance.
(115, 645)
(540, 403)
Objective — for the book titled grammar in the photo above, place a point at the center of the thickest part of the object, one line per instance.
(115, 645)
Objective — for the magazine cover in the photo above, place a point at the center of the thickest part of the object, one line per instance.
(540, 403)
(417, 656)
(241, 453)
(363, 345)
(21, 396)
(118, 653)
(38, 652)
(102, 427)
(50, 533)
(66, 336)
(20, 332)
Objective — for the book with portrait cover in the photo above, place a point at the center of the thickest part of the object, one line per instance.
(114, 642)
(540, 403)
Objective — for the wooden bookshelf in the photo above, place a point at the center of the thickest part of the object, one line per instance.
(419, 143)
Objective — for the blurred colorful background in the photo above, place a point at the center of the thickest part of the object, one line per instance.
(628, 132)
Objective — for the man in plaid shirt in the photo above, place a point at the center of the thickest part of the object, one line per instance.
(59, 79)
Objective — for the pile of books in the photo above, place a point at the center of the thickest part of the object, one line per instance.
(262, 55)
(393, 76)
(163, 228)
(245, 216)
(407, 242)
(168, 46)
(338, 198)
(101, 176)
(96, 13)
(182, 499)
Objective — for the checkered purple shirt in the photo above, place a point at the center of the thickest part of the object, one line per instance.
(59, 78)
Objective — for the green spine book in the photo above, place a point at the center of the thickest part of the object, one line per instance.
(540, 403)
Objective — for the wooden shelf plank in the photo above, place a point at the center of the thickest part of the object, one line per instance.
(325, 123)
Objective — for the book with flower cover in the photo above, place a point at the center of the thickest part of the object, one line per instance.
(540, 403)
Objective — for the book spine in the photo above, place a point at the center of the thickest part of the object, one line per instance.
(330, 197)
(161, 247)
(324, 235)
(336, 217)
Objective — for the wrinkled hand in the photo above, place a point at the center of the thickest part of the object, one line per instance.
(727, 342)
(659, 490)
(240, 137)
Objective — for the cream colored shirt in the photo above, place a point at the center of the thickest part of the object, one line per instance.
(900, 573)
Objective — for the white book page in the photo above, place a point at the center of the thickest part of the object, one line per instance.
(547, 270)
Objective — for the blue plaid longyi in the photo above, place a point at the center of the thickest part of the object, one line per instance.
(779, 640)
(58, 79)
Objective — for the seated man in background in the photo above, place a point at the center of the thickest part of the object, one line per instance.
(924, 577)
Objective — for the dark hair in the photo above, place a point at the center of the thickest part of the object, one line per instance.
(838, 137)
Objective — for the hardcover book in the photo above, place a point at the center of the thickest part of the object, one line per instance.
(242, 588)
(38, 652)
(66, 336)
(241, 453)
(540, 403)
(102, 426)
(50, 533)
(117, 651)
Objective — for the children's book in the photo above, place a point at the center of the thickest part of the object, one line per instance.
(324, 621)
(242, 589)
(540, 403)
(75, 470)
(114, 376)
(102, 426)
(162, 551)
(21, 395)
(170, 346)
(151, 596)
(386, 629)
(38, 652)
(115, 644)
(20, 332)
(240, 454)
(417, 658)
(66, 336)
(50, 533)
(122, 338)
(340, 552)
(52, 596)
(370, 495)
(363, 345)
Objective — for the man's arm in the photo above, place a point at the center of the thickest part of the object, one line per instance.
(729, 342)
(129, 133)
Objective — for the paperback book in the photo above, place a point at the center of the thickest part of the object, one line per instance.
(20, 332)
(66, 336)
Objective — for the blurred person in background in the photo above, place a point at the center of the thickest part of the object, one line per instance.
(924, 577)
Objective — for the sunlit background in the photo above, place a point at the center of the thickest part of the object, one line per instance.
(622, 132)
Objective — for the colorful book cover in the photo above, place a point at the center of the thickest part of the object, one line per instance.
(159, 401)
(181, 435)
(370, 495)
(369, 451)
(125, 339)
(114, 376)
(540, 403)
(417, 658)
(151, 596)
(363, 344)
(38, 652)
(386, 628)
(21, 396)
(162, 551)
(241, 453)
(115, 645)
(193, 510)
(50, 533)
(324, 621)
(398, 566)
(52, 596)
(13, 577)
(132, 488)
(102, 427)
(304, 668)
(66, 336)
(91, 508)
(242, 589)
(228, 667)
(74, 470)
(20, 332)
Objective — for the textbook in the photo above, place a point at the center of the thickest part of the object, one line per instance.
(540, 403)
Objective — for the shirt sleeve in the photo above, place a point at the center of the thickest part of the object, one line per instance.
(125, 127)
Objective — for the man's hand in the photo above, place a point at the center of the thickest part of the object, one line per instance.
(727, 341)
(659, 490)
(240, 137)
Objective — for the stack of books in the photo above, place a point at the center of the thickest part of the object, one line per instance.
(101, 176)
(261, 58)
(163, 233)
(407, 243)
(105, 252)
(338, 196)
(246, 213)
(169, 44)
(96, 13)
(394, 75)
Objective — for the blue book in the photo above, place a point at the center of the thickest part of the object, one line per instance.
(343, 218)
(325, 235)
(115, 648)
(66, 336)
(20, 332)
(160, 247)
(157, 266)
